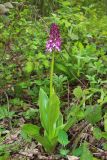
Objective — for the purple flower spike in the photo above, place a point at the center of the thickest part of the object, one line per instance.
(54, 42)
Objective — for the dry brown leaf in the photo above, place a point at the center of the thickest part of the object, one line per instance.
(72, 158)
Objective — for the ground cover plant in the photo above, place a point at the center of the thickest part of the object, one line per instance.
(53, 80)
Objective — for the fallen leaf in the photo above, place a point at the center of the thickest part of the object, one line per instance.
(72, 158)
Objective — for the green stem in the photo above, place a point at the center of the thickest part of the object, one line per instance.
(51, 74)
(49, 146)
(78, 73)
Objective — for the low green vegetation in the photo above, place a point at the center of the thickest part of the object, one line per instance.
(53, 103)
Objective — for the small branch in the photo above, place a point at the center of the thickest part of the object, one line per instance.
(8, 106)
(73, 73)
(68, 95)
(79, 136)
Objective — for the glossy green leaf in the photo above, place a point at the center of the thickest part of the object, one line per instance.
(78, 151)
(64, 152)
(63, 137)
(78, 92)
(60, 120)
(104, 135)
(62, 68)
(76, 112)
(29, 67)
(93, 114)
(97, 133)
(5, 156)
(30, 130)
(94, 158)
(105, 146)
(86, 154)
(53, 114)
(59, 124)
(43, 107)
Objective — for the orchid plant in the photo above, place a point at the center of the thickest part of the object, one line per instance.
(49, 107)
(53, 45)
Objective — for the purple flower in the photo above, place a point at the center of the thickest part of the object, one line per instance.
(54, 42)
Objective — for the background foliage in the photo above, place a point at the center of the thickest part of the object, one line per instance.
(80, 78)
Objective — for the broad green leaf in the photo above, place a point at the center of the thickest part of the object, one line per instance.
(60, 120)
(29, 67)
(78, 151)
(53, 114)
(78, 93)
(4, 113)
(74, 36)
(31, 113)
(62, 68)
(76, 112)
(105, 146)
(5, 156)
(93, 114)
(30, 130)
(75, 115)
(59, 124)
(43, 107)
(86, 154)
(70, 122)
(64, 152)
(96, 158)
(63, 137)
(66, 3)
(104, 135)
(97, 133)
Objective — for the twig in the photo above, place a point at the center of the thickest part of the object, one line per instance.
(8, 106)
(79, 136)
(68, 95)
(98, 149)
(73, 73)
